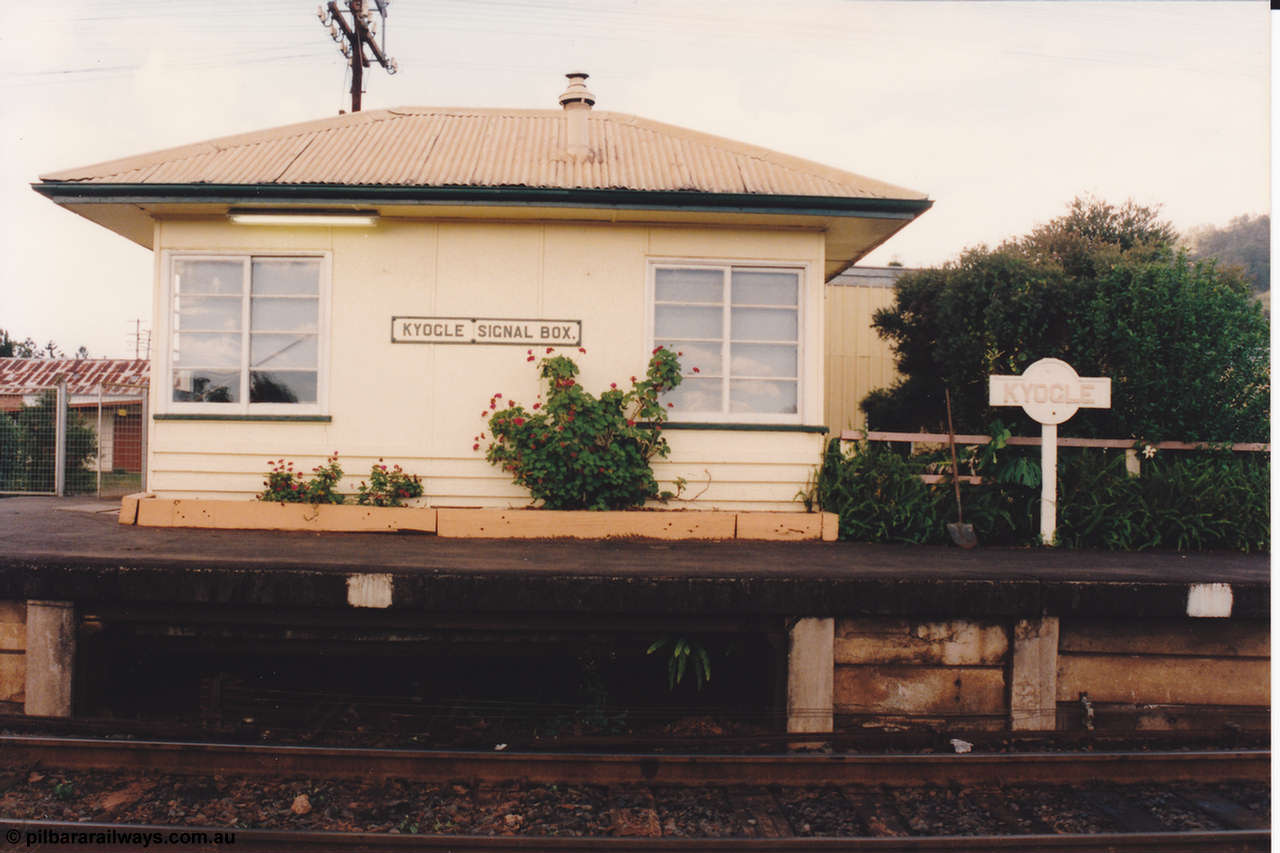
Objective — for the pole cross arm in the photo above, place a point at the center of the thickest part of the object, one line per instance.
(336, 14)
(374, 49)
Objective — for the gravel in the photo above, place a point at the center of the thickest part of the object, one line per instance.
(521, 808)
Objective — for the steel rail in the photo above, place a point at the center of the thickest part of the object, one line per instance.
(914, 739)
(29, 832)
(608, 769)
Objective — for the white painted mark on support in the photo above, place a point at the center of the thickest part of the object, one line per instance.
(366, 590)
(1209, 600)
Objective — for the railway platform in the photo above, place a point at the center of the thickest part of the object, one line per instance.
(1028, 638)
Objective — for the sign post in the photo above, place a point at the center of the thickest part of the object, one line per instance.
(1050, 392)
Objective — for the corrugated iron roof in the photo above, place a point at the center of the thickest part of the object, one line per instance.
(870, 276)
(441, 147)
(83, 375)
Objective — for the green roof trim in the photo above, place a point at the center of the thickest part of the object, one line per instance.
(742, 427)
(72, 192)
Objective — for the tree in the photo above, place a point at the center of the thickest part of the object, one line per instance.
(28, 448)
(1104, 289)
(1245, 243)
(11, 347)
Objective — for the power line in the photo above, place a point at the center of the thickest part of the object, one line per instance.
(141, 339)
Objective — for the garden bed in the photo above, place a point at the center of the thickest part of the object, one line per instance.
(469, 523)
(148, 511)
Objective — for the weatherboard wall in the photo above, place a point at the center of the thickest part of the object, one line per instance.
(420, 405)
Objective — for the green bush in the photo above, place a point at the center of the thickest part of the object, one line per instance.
(1186, 346)
(683, 651)
(878, 495)
(1189, 501)
(579, 451)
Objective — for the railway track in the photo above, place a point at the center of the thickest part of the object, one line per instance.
(610, 769)
(287, 841)
(1137, 801)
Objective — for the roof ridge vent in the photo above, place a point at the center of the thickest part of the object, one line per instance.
(577, 101)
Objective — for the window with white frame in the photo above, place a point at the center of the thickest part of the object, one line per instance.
(739, 326)
(246, 333)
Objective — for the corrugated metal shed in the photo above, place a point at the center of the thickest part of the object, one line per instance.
(440, 147)
(83, 375)
(883, 277)
(858, 361)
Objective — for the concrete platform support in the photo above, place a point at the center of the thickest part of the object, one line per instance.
(51, 650)
(811, 676)
(1033, 694)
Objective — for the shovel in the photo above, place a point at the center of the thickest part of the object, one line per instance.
(962, 534)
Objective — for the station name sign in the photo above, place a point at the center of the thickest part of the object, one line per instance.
(1050, 391)
(485, 330)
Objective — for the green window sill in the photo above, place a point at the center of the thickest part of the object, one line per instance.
(315, 419)
(746, 427)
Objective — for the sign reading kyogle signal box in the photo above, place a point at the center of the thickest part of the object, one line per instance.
(470, 330)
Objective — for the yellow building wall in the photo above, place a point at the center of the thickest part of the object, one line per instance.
(420, 405)
(858, 361)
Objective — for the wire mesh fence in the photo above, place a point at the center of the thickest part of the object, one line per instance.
(29, 442)
(120, 456)
(55, 443)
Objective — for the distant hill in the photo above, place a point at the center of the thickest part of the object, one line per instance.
(1244, 242)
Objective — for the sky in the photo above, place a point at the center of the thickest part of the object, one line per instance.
(1001, 111)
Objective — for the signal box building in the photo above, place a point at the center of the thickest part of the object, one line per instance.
(365, 283)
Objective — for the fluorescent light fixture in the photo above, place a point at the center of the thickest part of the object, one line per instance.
(317, 218)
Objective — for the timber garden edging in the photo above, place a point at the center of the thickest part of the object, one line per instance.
(146, 510)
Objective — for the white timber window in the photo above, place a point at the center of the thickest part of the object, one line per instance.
(740, 326)
(247, 334)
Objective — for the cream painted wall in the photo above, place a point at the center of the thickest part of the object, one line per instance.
(419, 404)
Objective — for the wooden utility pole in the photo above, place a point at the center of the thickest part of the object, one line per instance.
(355, 35)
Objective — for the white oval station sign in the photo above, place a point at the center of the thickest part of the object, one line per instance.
(1050, 391)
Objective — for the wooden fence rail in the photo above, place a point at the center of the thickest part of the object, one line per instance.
(1034, 441)
(1128, 445)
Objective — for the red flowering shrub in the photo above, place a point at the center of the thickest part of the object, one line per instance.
(287, 486)
(578, 451)
(389, 487)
